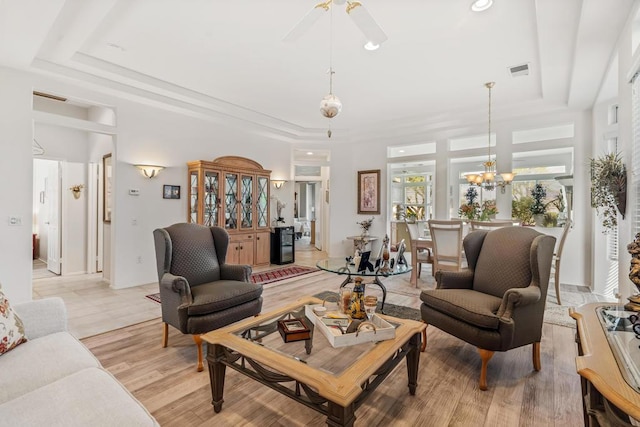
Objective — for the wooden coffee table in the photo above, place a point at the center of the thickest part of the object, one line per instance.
(333, 381)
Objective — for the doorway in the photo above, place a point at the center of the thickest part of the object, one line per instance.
(46, 225)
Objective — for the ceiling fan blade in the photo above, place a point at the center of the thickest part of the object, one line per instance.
(307, 21)
(365, 22)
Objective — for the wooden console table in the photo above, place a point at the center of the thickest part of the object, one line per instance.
(607, 364)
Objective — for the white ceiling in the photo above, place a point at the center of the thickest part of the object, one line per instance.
(227, 59)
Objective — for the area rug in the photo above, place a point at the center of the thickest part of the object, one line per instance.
(389, 309)
(265, 277)
(281, 273)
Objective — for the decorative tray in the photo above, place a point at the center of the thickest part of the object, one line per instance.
(383, 330)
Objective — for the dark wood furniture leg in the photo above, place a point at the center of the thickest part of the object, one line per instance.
(339, 416)
(216, 375)
(413, 361)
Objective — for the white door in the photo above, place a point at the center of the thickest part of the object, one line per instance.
(53, 223)
(318, 215)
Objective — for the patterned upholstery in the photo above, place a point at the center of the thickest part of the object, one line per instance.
(199, 292)
(498, 302)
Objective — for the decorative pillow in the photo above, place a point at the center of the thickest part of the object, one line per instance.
(11, 327)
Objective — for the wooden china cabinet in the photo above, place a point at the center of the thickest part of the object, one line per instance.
(233, 192)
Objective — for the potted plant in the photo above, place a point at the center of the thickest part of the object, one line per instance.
(538, 207)
(609, 188)
(489, 210)
(471, 209)
(521, 209)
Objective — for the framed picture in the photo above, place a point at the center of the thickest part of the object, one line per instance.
(369, 192)
(170, 191)
(107, 175)
(400, 259)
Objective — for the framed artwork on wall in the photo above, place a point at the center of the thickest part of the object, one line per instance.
(107, 172)
(369, 192)
(170, 191)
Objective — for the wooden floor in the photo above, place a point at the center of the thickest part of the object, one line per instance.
(166, 382)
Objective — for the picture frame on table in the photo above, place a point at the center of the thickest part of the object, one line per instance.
(369, 192)
(400, 258)
(170, 191)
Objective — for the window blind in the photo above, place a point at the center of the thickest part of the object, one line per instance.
(635, 155)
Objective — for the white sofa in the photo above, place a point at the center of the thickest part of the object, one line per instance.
(54, 380)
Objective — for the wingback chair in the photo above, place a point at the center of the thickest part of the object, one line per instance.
(497, 303)
(199, 292)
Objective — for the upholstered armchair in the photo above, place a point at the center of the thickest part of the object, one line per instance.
(497, 303)
(199, 292)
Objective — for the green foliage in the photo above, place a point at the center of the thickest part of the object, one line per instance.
(488, 210)
(550, 219)
(521, 210)
(471, 209)
(608, 188)
(538, 194)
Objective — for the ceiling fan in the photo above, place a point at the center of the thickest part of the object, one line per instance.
(356, 11)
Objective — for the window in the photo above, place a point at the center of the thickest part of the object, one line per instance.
(543, 134)
(411, 195)
(635, 153)
(541, 167)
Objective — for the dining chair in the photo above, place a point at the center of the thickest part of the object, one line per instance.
(447, 244)
(423, 255)
(555, 265)
(490, 225)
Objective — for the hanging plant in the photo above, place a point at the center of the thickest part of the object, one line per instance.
(609, 188)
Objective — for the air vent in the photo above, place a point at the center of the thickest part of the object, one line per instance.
(48, 95)
(519, 70)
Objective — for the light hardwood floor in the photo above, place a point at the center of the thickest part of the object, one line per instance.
(166, 382)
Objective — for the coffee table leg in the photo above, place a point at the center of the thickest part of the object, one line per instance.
(339, 416)
(377, 282)
(216, 375)
(413, 360)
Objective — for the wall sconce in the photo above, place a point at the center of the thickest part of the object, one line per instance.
(75, 190)
(278, 183)
(149, 171)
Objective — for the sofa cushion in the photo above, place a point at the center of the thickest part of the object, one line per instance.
(42, 361)
(90, 397)
(467, 305)
(11, 327)
(222, 295)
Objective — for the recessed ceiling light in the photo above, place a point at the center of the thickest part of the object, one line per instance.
(309, 153)
(400, 151)
(371, 46)
(480, 5)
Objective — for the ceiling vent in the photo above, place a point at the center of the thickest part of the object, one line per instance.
(48, 95)
(519, 70)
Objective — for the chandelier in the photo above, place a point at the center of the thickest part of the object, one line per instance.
(330, 105)
(490, 179)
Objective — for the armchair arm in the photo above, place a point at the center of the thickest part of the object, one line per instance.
(240, 273)
(177, 284)
(454, 279)
(517, 297)
(42, 317)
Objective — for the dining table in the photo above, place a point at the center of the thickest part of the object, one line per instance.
(416, 245)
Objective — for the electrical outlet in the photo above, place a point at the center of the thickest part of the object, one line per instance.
(139, 259)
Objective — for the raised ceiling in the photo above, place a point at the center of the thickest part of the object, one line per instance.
(228, 60)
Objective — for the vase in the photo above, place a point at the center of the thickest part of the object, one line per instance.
(365, 233)
(357, 300)
(539, 220)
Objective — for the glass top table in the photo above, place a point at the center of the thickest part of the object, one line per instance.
(624, 340)
(341, 266)
(333, 381)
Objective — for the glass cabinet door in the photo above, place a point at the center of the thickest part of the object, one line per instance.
(211, 202)
(246, 202)
(193, 197)
(231, 201)
(262, 202)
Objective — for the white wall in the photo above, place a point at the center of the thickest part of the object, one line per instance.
(16, 169)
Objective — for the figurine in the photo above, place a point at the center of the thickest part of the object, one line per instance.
(634, 273)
